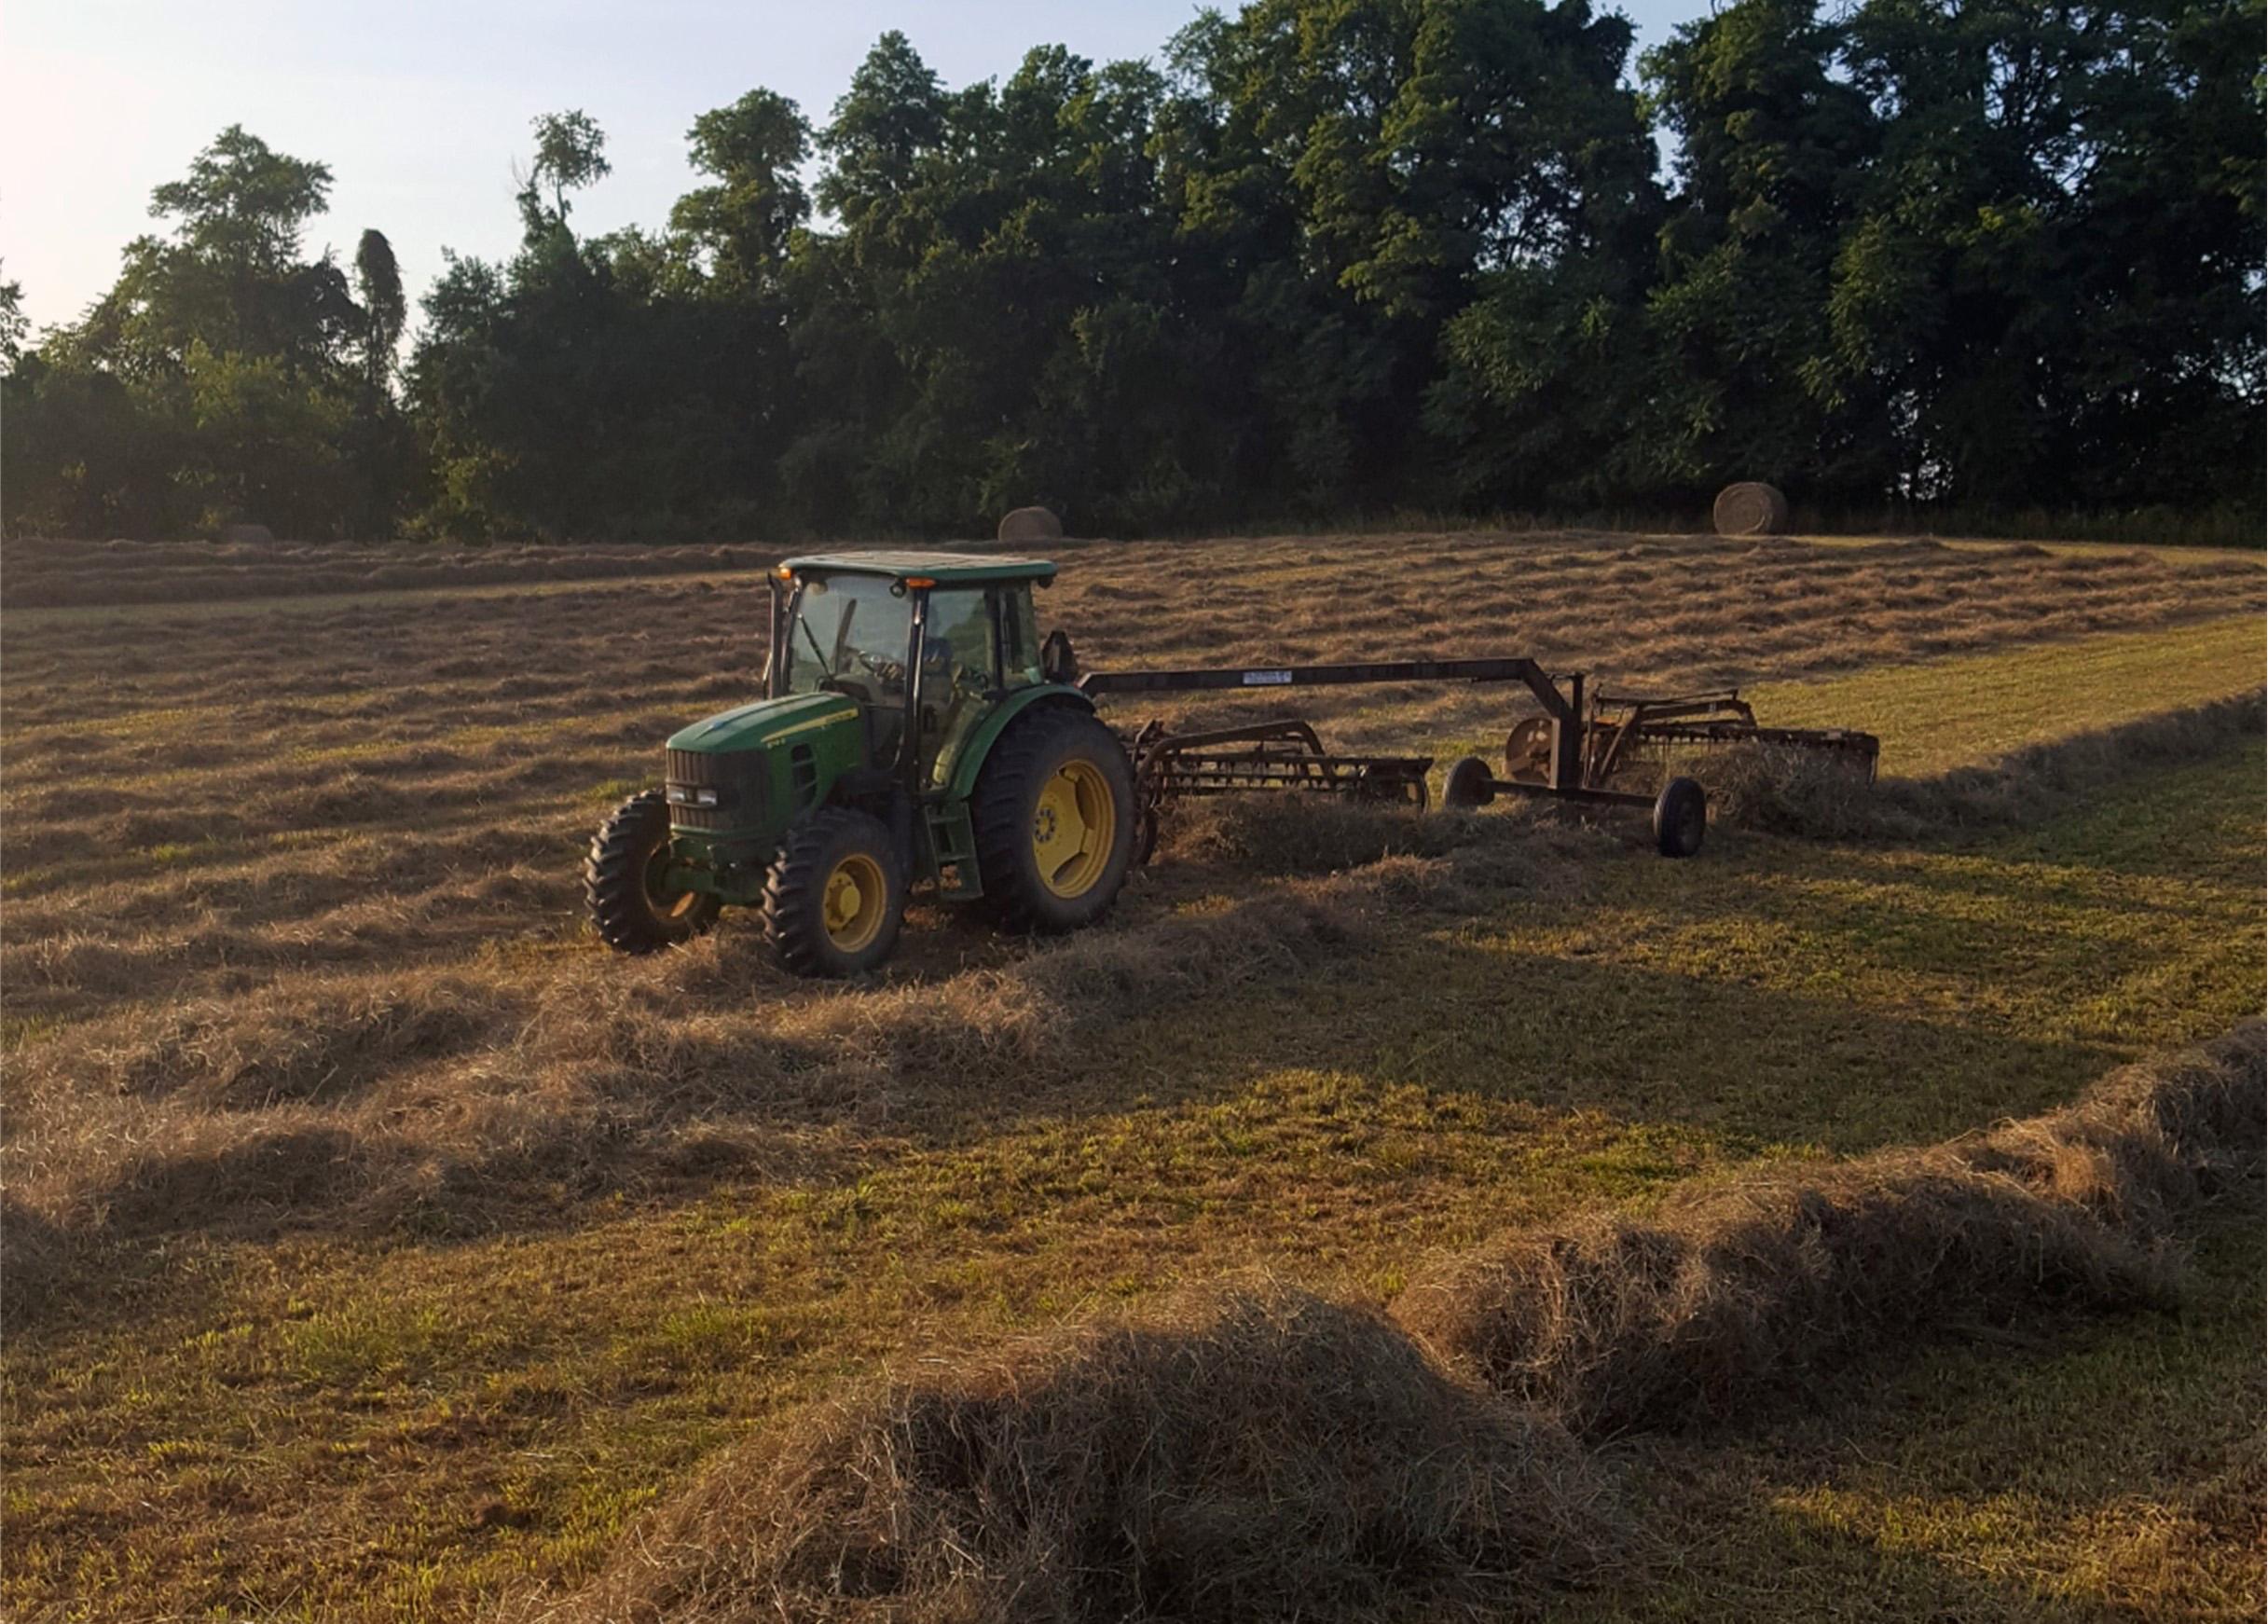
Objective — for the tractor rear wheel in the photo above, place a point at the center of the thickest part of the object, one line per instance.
(631, 904)
(835, 898)
(1055, 821)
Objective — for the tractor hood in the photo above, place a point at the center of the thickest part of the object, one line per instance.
(765, 722)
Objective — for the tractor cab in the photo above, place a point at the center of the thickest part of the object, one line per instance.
(924, 643)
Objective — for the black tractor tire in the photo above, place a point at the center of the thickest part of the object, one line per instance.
(836, 895)
(621, 879)
(1057, 823)
(1470, 784)
(1680, 818)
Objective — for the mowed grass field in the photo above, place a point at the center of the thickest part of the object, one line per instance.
(379, 1247)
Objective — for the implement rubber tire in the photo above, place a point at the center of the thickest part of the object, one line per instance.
(1468, 785)
(1680, 818)
(835, 898)
(620, 882)
(1056, 787)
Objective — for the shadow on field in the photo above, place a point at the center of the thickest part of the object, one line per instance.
(2106, 1419)
(1517, 957)
(530, 1124)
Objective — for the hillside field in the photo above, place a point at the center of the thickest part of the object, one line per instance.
(378, 1247)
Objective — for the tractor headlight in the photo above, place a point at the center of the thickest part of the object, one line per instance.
(691, 795)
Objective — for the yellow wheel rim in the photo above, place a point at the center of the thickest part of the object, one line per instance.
(855, 900)
(666, 903)
(1073, 828)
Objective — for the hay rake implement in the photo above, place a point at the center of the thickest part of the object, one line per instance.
(1573, 751)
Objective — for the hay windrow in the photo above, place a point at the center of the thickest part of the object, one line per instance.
(1616, 1322)
(1799, 791)
(1240, 1451)
(1252, 1449)
(355, 1104)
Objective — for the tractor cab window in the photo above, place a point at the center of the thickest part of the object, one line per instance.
(960, 643)
(849, 636)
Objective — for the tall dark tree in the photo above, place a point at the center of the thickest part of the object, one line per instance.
(378, 281)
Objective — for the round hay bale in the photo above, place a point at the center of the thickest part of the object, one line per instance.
(1031, 524)
(259, 535)
(1750, 508)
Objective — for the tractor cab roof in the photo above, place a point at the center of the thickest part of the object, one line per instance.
(945, 568)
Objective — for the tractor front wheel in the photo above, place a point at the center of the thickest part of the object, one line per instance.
(1055, 821)
(835, 898)
(631, 903)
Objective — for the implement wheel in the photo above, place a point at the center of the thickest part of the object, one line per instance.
(631, 905)
(836, 899)
(1680, 818)
(1055, 821)
(1469, 785)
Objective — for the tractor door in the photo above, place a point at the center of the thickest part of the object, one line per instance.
(960, 671)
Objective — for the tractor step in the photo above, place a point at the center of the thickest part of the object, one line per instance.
(952, 850)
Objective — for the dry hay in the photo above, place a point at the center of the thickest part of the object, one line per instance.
(1750, 508)
(301, 884)
(1801, 792)
(1286, 832)
(434, 1099)
(1255, 1451)
(1243, 1451)
(1613, 1321)
(1021, 526)
(44, 572)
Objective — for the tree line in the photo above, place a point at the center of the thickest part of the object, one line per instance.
(1321, 256)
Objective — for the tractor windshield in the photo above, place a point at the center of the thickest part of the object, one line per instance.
(849, 636)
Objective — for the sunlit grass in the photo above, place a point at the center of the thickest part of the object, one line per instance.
(1945, 713)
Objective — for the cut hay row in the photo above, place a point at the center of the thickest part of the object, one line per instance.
(1680, 615)
(1253, 1449)
(1615, 1322)
(46, 574)
(1797, 792)
(1241, 1453)
(367, 1104)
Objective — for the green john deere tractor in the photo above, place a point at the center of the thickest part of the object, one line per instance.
(912, 730)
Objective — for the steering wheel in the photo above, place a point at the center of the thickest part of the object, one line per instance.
(889, 673)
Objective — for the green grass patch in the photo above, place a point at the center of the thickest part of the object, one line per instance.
(1939, 714)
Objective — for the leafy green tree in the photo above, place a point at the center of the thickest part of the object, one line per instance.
(2053, 268)
(892, 118)
(1771, 138)
(221, 359)
(570, 156)
(743, 222)
(14, 326)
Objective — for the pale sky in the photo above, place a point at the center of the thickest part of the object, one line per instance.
(420, 107)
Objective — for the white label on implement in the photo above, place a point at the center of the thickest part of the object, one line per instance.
(1265, 679)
